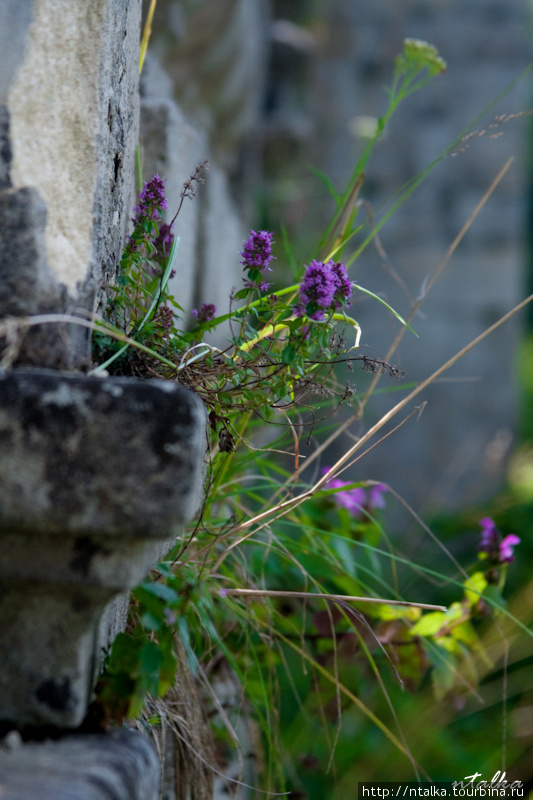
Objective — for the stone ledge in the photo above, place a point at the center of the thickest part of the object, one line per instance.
(119, 765)
(97, 478)
(105, 456)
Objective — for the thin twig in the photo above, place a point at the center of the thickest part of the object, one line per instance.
(336, 597)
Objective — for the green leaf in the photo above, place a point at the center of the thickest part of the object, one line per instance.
(157, 589)
(124, 656)
(474, 587)
(328, 183)
(288, 354)
(169, 663)
(151, 622)
(390, 308)
(151, 658)
(429, 625)
(183, 630)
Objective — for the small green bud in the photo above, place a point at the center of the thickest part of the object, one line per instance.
(420, 55)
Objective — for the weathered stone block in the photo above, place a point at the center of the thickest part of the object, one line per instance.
(97, 478)
(122, 765)
(68, 132)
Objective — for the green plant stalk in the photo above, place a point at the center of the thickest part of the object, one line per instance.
(411, 185)
(146, 34)
(153, 306)
(272, 328)
(396, 96)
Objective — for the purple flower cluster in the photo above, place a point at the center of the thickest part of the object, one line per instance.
(497, 549)
(357, 500)
(256, 257)
(152, 200)
(206, 312)
(257, 251)
(325, 287)
(147, 234)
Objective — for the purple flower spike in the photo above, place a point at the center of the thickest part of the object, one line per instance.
(206, 313)
(151, 199)
(489, 534)
(257, 251)
(506, 548)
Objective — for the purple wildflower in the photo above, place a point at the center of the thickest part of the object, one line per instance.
(206, 313)
(151, 199)
(375, 496)
(324, 286)
(506, 548)
(352, 500)
(498, 550)
(318, 285)
(262, 286)
(151, 203)
(257, 251)
(356, 500)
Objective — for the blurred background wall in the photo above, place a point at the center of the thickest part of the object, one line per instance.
(274, 87)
